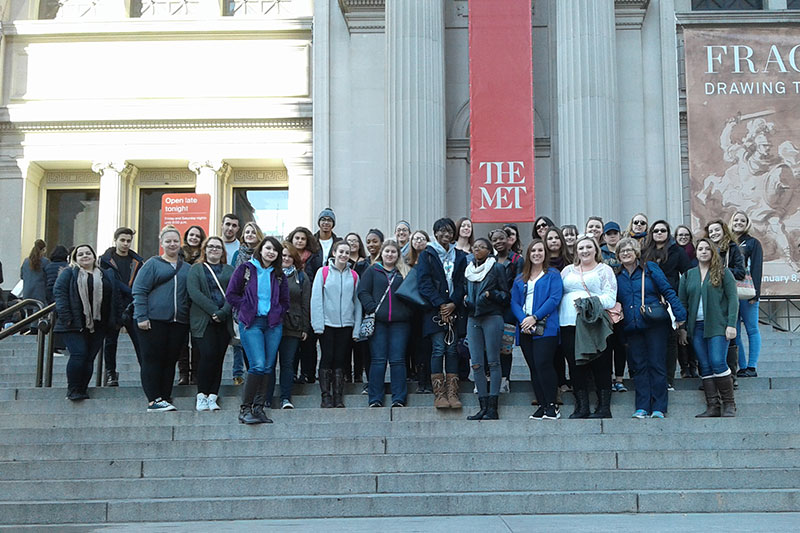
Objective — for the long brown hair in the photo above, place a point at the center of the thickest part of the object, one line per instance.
(528, 265)
(715, 268)
(413, 254)
(727, 236)
(37, 253)
(276, 265)
(312, 244)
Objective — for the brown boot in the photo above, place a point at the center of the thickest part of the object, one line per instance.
(725, 388)
(452, 391)
(712, 399)
(439, 392)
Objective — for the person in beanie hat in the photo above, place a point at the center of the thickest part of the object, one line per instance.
(326, 221)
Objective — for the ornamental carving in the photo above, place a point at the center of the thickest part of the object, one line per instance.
(250, 176)
(70, 177)
(166, 175)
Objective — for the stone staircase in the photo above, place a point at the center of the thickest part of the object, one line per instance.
(106, 460)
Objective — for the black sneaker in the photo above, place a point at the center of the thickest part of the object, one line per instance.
(741, 373)
(551, 412)
(376, 404)
(398, 404)
(538, 415)
(750, 372)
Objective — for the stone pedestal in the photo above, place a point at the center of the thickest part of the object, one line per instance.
(110, 206)
(587, 125)
(415, 112)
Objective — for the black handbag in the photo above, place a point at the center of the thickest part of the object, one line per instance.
(538, 329)
(409, 291)
(653, 313)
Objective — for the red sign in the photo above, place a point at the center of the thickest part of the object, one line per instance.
(185, 210)
(501, 111)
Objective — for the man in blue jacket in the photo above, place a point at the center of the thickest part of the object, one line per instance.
(125, 263)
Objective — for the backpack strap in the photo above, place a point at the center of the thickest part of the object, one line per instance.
(324, 274)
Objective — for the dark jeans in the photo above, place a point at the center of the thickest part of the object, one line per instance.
(539, 353)
(617, 343)
(418, 350)
(335, 344)
(110, 345)
(671, 355)
(240, 362)
(286, 352)
(599, 367)
(560, 365)
(647, 352)
(161, 345)
(361, 360)
(210, 349)
(307, 360)
(442, 355)
(388, 344)
(83, 347)
(484, 335)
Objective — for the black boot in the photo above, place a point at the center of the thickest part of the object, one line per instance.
(725, 388)
(325, 378)
(712, 399)
(112, 378)
(249, 392)
(482, 400)
(257, 415)
(266, 390)
(604, 407)
(581, 404)
(491, 409)
(338, 388)
(244, 410)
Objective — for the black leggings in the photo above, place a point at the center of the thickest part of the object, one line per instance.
(161, 345)
(599, 367)
(335, 344)
(306, 358)
(210, 349)
(538, 354)
(617, 342)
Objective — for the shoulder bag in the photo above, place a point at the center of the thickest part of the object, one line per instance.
(236, 339)
(409, 290)
(368, 320)
(653, 313)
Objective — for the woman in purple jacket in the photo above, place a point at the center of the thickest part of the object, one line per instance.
(259, 292)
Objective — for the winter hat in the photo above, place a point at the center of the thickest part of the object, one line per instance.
(327, 212)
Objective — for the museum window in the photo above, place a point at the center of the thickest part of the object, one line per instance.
(726, 5)
(71, 217)
(267, 207)
(150, 218)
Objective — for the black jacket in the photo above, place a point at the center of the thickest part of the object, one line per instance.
(735, 261)
(753, 259)
(371, 287)
(123, 285)
(51, 272)
(68, 303)
(432, 285)
(496, 284)
(676, 263)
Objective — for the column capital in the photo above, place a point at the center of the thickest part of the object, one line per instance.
(213, 164)
(117, 166)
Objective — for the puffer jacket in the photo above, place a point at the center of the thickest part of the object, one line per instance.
(499, 299)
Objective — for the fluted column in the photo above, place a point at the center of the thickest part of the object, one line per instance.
(112, 190)
(208, 182)
(415, 113)
(587, 125)
(301, 188)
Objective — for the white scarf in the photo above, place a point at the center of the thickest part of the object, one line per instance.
(92, 312)
(477, 273)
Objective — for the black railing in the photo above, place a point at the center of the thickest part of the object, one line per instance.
(780, 312)
(43, 319)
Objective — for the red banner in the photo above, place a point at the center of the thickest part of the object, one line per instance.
(501, 111)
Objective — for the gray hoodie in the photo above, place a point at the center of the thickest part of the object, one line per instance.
(335, 304)
(156, 297)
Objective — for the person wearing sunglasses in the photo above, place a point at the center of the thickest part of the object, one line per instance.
(540, 227)
(638, 227)
(661, 249)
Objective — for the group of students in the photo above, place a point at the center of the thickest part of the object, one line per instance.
(588, 302)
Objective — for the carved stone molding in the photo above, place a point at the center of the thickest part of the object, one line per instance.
(364, 16)
(130, 125)
(119, 167)
(251, 176)
(213, 164)
(722, 18)
(165, 176)
(71, 177)
(629, 14)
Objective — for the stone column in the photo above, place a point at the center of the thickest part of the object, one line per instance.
(301, 188)
(415, 111)
(208, 182)
(587, 122)
(110, 206)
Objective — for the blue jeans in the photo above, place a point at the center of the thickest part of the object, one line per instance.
(238, 361)
(483, 336)
(388, 343)
(647, 354)
(442, 355)
(261, 344)
(286, 351)
(711, 353)
(748, 313)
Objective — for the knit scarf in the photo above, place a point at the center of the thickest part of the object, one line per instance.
(477, 273)
(91, 310)
(448, 259)
(289, 271)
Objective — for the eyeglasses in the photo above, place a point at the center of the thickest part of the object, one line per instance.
(660, 230)
(640, 222)
(419, 238)
(626, 251)
(213, 247)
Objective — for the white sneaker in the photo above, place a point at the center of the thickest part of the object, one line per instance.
(212, 402)
(202, 402)
(504, 385)
(286, 404)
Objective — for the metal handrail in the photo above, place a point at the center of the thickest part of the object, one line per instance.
(44, 336)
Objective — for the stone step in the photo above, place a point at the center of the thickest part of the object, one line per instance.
(425, 482)
(414, 504)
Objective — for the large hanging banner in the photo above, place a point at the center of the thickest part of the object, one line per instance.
(743, 101)
(501, 111)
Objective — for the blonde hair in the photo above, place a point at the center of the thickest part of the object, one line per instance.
(598, 256)
(168, 229)
(400, 265)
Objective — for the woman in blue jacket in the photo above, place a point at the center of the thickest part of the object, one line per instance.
(535, 296)
(161, 312)
(486, 299)
(646, 339)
